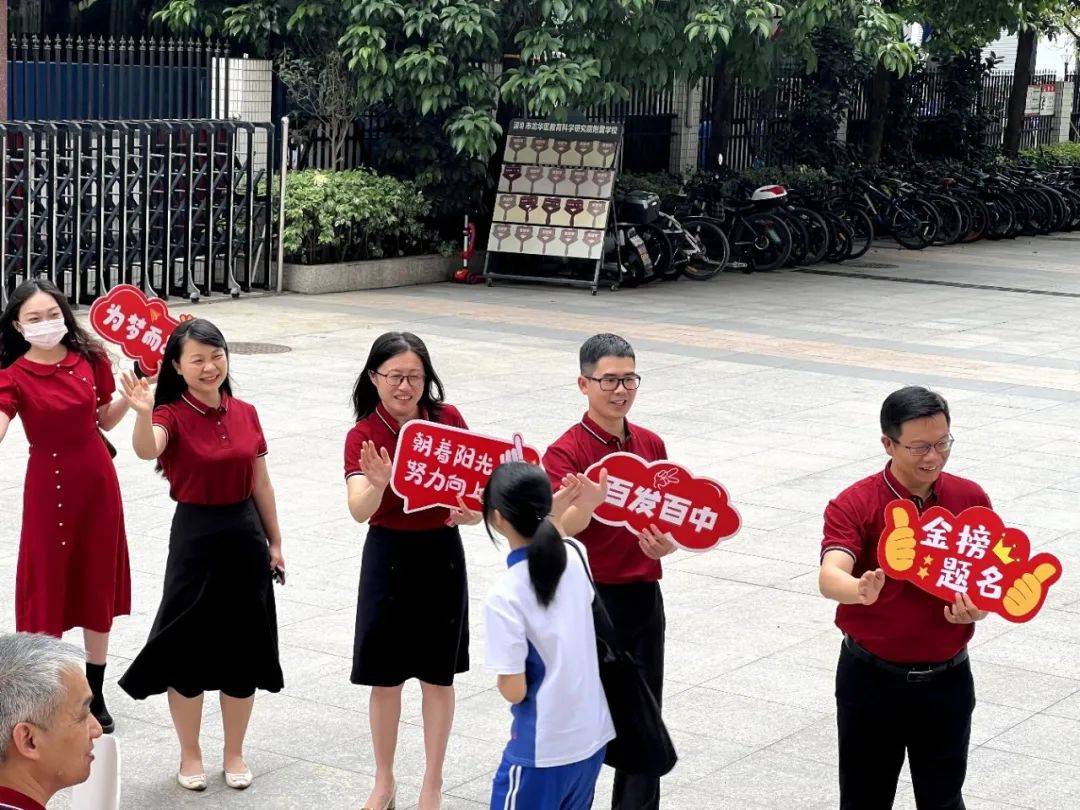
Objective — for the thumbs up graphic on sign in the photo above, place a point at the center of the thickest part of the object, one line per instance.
(900, 544)
(1027, 590)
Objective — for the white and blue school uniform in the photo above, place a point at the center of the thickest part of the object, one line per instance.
(561, 728)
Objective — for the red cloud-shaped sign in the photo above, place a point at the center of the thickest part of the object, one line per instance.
(640, 494)
(139, 325)
(972, 553)
(434, 464)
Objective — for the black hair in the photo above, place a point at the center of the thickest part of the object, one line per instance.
(912, 402)
(170, 384)
(391, 344)
(602, 345)
(13, 345)
(522, 494)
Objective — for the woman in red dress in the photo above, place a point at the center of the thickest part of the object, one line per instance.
(73, 559)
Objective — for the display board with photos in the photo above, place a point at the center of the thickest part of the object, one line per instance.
(554, 194)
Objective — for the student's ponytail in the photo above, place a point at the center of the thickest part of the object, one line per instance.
(522, 494)
(547, 561)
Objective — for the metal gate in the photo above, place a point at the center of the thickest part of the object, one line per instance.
(177, 208)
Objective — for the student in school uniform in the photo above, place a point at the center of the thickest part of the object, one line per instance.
(412, 612)
(903, 682)
(216, 627)
(541, 644)
(73, 559)
(626, 567)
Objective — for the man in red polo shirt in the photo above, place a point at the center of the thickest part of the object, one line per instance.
(47, 731)
(626, 567)
(903, 684)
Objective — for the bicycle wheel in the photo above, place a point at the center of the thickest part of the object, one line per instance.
(714, 249)
(800, 239)
(914, 225)
(978, 220)
(767, 238)
(950, 220)
(841, 238)
(656, 245)
(817, 233)
(862, 228)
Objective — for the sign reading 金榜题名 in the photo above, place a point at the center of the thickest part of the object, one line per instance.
(436, 464)
(139, 325)
(695, 511)
(972, 553)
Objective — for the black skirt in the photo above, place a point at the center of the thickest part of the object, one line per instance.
(412, 613)
(216, 628)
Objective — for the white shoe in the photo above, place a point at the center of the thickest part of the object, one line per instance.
(194, 782)
(239, 781)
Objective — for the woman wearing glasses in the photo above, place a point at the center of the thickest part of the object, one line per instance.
(412, 618)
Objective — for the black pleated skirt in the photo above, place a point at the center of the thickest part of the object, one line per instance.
(216, 628)
(412, 612)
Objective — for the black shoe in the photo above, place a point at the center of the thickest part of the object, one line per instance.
(108, 726)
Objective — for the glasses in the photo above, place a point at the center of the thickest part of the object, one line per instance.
(395, 379)
(943, 447)
(629, 382)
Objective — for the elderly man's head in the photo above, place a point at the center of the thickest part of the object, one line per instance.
(47, 732)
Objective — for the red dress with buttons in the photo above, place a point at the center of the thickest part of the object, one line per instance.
(73, 560)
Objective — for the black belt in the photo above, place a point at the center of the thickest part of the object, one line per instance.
(912, 673)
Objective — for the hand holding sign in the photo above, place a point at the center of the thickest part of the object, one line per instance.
(971, 560)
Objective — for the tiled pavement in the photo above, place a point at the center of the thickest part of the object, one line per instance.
(770, 383)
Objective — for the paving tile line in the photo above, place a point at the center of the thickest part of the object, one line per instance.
(966, 285)
(788, 349)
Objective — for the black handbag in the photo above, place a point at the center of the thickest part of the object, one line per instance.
(642, 744)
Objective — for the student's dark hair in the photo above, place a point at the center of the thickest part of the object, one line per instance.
(913, 402)
(13, 345)
(170, 385)
(366, 395)
(602, 345)
(522, 494)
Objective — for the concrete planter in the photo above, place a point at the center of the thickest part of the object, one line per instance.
(312, 279)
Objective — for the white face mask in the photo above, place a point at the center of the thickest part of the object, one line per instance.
(44, 334)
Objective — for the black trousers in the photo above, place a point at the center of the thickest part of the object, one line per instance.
(880, 716)
(637, 611)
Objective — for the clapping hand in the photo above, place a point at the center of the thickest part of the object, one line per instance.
(870, 585)
(376, 465)
(137, 392)
(581, 491)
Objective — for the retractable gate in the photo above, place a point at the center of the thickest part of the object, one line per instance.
(177, 208)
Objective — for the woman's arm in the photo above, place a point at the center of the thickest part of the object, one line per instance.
(364, 498)
(109, 416)
(147, 439)
(266, 504)
(365, 492)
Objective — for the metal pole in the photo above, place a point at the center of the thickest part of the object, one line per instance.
(281, 202)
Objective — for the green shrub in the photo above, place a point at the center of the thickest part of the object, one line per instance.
(1066, 153)
(334, 216)
(663, 185)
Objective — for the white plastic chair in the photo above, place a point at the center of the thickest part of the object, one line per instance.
(102, 790)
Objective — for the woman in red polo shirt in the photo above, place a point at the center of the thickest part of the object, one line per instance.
(412, 615)
(216, 628)
(73, 557)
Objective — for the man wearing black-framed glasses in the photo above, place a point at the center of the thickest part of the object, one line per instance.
(903, 682)
(626, 566)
